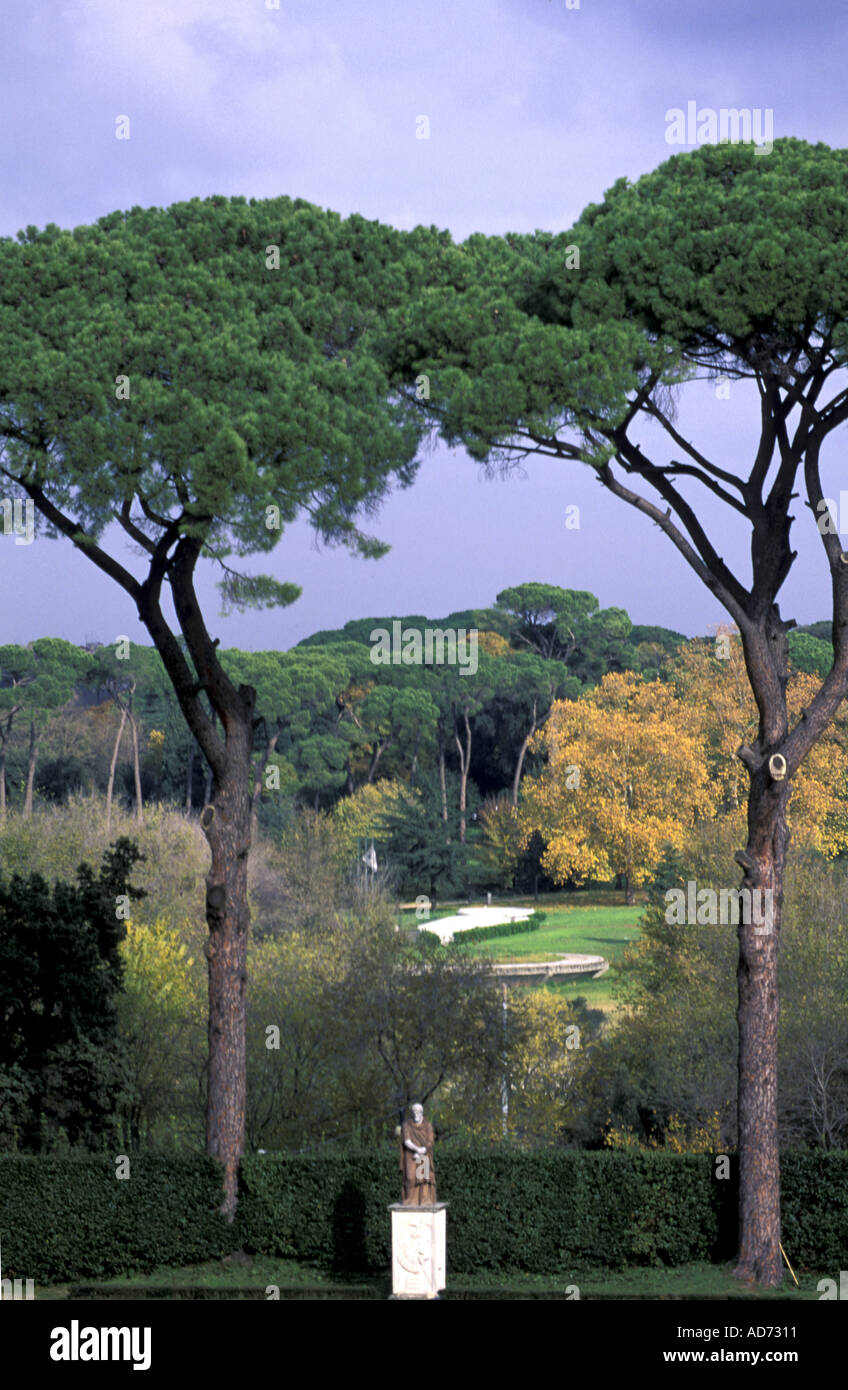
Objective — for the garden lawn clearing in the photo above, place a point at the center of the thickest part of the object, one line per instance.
(585, 930)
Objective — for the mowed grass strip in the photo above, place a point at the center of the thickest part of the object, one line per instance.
(253, 1276)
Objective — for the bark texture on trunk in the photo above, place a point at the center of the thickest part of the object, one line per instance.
(763, 861)
(226, 822)
(757, 1015)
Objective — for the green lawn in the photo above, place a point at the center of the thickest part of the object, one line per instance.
(250, 1276)
(594, 922)
(587, 929)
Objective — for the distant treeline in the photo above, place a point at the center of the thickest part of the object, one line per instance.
(333, 717)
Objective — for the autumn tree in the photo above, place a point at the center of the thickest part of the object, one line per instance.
(719, 263)
(190, 381)
(160, 1021)
(711, 683)
(625, 777)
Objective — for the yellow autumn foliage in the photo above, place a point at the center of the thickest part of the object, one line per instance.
(626, 775)
(717, 692)
(678, 1137)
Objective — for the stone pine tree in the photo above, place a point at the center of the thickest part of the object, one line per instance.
(724, 264)
(179, 385)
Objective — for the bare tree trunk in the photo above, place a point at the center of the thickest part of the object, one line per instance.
(516, 781)
(464, 765)
(111, 783)
(31, 765)
(379, 750)
(442, 773)
(136, 767)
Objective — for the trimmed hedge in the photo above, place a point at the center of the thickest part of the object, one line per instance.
(529, 924)
(545, 1212)
(470, 935)
(540, 1212)
(72, 1218)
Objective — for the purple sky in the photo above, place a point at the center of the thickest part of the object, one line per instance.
(534, 109)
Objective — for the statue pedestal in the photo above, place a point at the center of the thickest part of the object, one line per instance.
(418, 1249)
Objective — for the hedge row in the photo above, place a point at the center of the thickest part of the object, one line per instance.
(529, 924)
(472, 935)
(544, 1212)
(541, 1212)
(72, 1217)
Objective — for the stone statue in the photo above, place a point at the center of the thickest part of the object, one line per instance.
(416, 1160)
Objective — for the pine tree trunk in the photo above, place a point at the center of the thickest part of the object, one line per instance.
(225, 821)
(763, 861)
(757, 1015)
